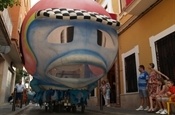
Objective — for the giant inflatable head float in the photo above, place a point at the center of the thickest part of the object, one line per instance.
(69, 41)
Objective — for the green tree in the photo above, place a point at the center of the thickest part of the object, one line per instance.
(8, 3)
(21, 73)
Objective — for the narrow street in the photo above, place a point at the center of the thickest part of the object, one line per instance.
(36, 110)
(101, 55)
(32, 109)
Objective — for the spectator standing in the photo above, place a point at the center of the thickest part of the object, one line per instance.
(105, 88)
(107, 95)
(19, 91)
(142, 85)
(152, 85)
(25, 98)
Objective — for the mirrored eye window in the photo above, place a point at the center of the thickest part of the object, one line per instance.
(104, 39)
(62, 34)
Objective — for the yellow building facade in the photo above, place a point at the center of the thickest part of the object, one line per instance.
(147, 29)
(139, 41)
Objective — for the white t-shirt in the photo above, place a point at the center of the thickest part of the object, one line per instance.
(20, 88)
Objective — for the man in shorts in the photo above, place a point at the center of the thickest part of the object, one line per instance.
(19, 91)
(142, 86)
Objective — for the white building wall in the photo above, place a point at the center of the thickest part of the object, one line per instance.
(7, 81)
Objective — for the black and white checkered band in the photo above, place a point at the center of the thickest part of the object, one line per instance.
(70, 14)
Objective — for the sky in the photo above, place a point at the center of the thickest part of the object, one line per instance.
(34, 2)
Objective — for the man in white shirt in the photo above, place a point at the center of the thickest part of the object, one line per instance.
(19, 91)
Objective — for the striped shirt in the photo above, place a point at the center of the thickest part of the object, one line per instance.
(142, 81)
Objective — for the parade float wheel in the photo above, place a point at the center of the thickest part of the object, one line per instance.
(40, 105)
(82, 108)
(68, 109)
(46, 108)
(59, 109)
(51, 107)
(74, 109)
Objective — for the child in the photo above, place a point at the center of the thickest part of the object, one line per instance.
(170, 94)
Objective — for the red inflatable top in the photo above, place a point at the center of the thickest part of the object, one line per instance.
(88, 5)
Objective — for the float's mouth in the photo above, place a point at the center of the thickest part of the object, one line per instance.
(76, 71)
